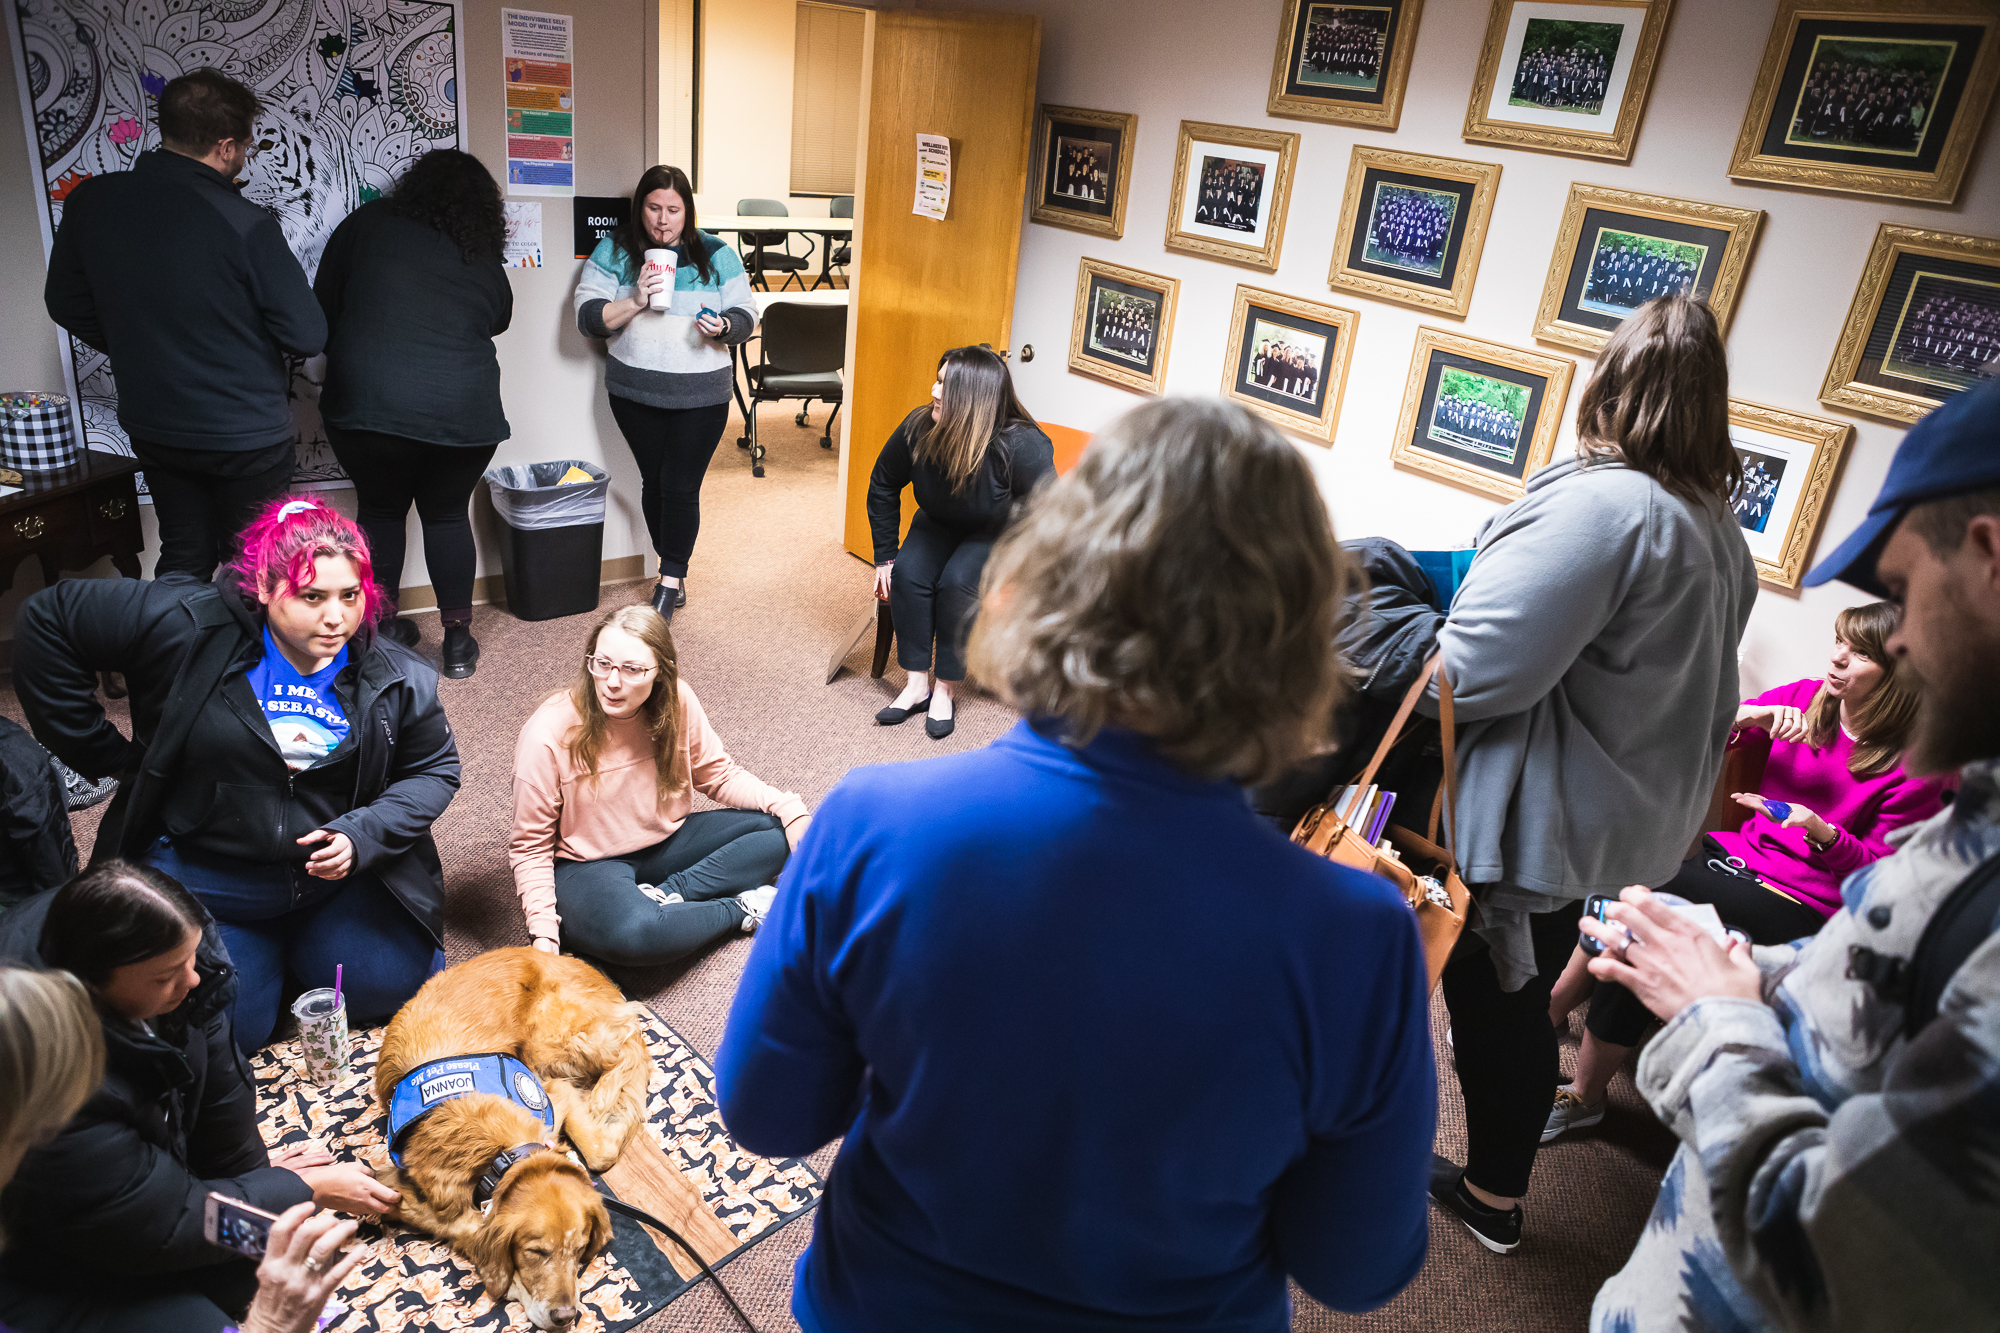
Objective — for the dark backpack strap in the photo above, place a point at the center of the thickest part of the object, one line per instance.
(1962, 923)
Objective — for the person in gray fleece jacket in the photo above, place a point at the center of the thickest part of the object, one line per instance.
(1592, 656)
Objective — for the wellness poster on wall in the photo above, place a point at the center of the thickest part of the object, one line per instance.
(539, 51)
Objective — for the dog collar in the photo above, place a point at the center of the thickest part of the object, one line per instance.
(429, 1086)
(503, 1161)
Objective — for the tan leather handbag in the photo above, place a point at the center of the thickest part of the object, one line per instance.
(1423, 871)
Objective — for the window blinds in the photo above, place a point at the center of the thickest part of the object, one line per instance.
(826, 98)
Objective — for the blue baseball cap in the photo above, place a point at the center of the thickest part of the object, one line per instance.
(1953, 450)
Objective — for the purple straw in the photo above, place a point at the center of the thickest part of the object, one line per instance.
(338, 968)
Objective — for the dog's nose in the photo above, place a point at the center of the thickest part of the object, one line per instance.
(562, 1316)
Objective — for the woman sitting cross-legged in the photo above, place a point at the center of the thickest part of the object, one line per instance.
(1833, 790)
(286, 761)
(971, 456)
(607, 857)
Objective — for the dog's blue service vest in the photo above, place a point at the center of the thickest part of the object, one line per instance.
(428, 1086)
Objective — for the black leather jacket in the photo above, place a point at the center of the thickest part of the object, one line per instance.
(201, 764)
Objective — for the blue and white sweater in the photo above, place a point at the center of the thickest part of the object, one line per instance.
(661, 359)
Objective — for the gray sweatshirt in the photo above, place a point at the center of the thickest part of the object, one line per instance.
(1592, 653)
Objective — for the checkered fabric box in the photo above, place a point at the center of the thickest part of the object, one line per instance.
(35, 434)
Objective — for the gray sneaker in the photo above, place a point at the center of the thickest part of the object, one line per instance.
(1569, 1112)
(659, 895)
(756, 906)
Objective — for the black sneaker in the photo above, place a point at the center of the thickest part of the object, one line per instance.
(1497, 1231)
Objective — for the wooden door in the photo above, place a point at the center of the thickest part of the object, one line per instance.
(921, 285)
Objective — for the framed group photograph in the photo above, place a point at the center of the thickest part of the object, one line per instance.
(1479, 414)
(1287, 359)
(1083, 166)
(1344, 62)
(1566, 76)
(1789, 465)
(1924, 325)
(1412, 228)
(1882, 97)
(1231, 189)
(1617, 250)
(1122, 325)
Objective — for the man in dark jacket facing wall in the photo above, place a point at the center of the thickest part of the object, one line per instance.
(193, 293)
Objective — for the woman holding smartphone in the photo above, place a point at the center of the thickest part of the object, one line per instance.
(105, 1221)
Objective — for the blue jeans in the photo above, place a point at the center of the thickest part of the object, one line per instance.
(277, 918)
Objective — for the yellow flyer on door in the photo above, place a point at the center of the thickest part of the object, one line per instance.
(933, 176)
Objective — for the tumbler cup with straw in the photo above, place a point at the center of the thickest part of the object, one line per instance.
(322, 1016)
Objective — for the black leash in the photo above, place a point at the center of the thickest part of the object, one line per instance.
(647, 1219)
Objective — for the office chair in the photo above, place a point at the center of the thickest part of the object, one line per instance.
(760, 264)
(841, 206)
(800, 355)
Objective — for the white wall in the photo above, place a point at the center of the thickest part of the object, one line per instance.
(1170, 60)
(746, 106)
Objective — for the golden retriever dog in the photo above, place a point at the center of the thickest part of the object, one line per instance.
(544, 1222)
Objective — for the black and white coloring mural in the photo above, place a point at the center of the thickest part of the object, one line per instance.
(354, 91)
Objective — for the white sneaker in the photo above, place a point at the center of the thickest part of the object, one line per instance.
(663, 899)
(756, 906)
(1569, 1112)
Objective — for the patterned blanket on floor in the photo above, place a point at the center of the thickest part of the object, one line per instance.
(412, 1284)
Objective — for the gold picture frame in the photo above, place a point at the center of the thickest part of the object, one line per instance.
(1785, 141)
(1431, 436)
(1880, 365)
(1560, 126)
(1790, 462)
(1225, 197)
(1059, 207)
(1305, 396)
(1322, 95)
(1103, 344)
(1441, 281)
(1578, 311)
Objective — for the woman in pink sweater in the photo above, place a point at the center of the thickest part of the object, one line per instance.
(607, 857)
(1833, 789)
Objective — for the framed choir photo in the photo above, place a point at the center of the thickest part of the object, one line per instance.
(1083, 164)
(1288, 359)
(1882, 97)
(1231, 188)
(1566, 76)
(1925, 324)
(1789, 465)
(1479, 414)
(1123, 325)
(1412, 228)
(1617, 250)
(1344, 62)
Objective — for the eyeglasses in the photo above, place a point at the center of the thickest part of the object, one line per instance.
(604, 668)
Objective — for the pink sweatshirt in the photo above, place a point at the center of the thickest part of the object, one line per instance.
(1863, 810)
(558, 812)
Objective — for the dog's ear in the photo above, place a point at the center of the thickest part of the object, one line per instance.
(600, 1234)
(491, 1250)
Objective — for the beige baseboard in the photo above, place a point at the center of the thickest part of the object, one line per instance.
(491, 590)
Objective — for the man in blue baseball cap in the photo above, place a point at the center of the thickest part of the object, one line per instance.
(1838, 1098)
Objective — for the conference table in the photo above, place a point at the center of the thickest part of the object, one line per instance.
(825, 228)
(764, 301)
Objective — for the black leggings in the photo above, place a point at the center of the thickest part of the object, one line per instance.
(204, 498)
(934, 594)
(672, 446)
(1765, 915)
(1505, 1050)
(711, 858)
(389, 473)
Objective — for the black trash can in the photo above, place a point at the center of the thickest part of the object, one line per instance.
(552, 536)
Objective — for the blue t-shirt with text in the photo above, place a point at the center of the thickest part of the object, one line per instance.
(305, 715)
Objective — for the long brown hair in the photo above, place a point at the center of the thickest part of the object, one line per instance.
(1182, 581)
(1882, 721)
(1659, 400)
(632, 237)
(661, 712)
(977, 403)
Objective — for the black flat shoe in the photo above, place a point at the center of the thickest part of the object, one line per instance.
(681, 595)
(402, 631)
(664, 600)
(893, 716)
(939, 728)
(461, 652)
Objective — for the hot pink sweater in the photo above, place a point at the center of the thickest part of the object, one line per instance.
(559, 812)
(1863, 810)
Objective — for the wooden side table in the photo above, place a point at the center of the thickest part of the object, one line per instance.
(71, 518)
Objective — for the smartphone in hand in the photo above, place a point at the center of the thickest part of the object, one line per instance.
(235, 1225)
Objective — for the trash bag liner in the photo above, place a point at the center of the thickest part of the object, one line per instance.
(528, 498)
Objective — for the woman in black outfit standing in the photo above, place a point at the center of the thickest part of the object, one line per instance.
(971, 455)
(415, 292)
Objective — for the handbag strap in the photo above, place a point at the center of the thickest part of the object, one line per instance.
(1447, 795)
(1395, 730)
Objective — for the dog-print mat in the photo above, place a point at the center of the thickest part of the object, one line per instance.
(412, 1284)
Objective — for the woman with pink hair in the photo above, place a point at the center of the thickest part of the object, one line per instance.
(286, 761)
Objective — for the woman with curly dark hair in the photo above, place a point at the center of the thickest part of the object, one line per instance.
(415, 292)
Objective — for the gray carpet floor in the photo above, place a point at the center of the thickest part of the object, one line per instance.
(771, 591)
